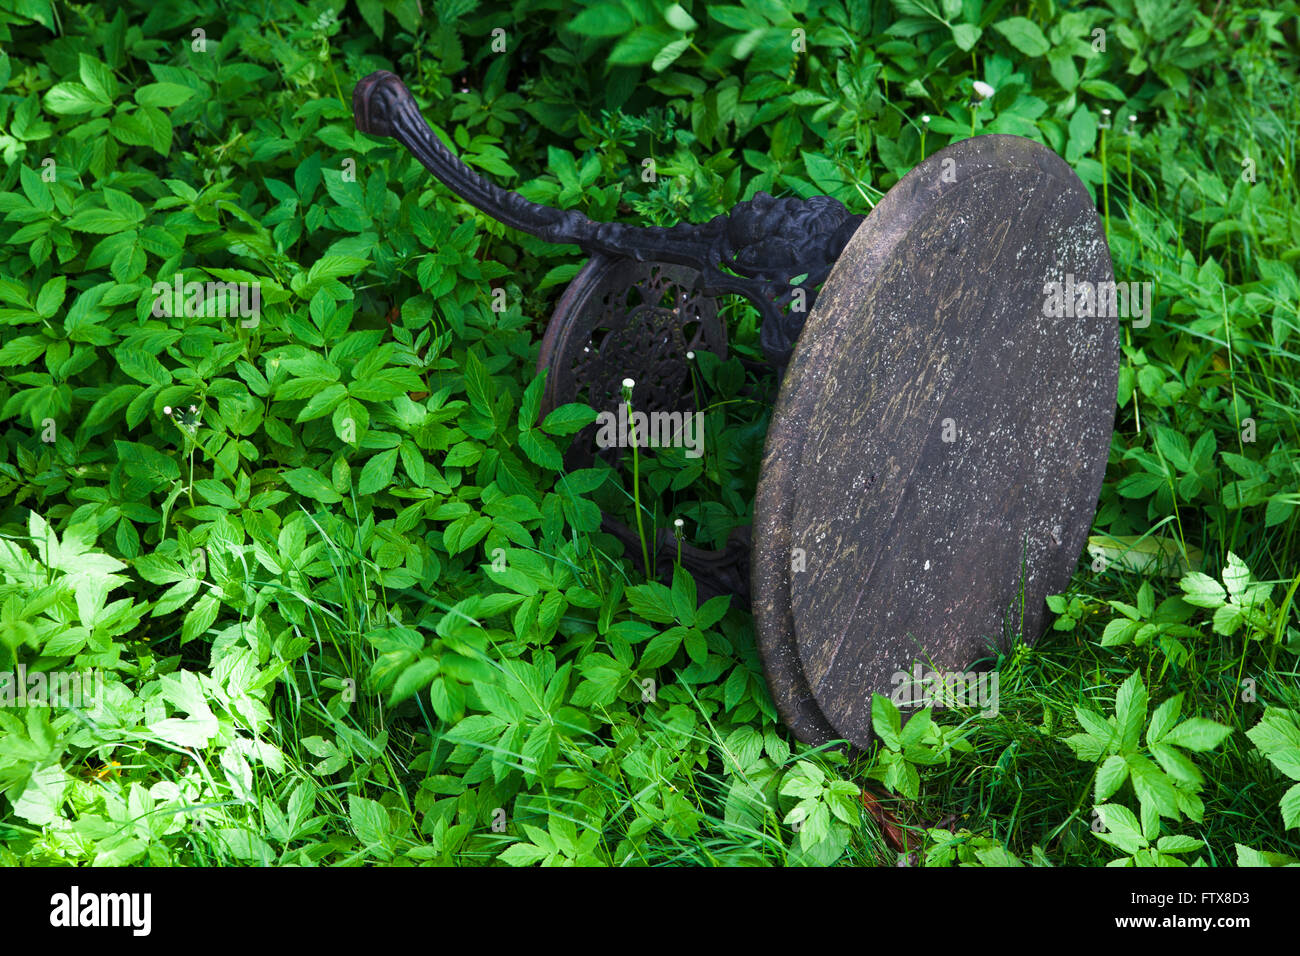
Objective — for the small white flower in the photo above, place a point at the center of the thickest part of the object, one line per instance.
(690, 356)
(193, 410)
(983, 90)
(628, 383)
(1132, 117)
(167, 409)
(679, 523)
(926, 119)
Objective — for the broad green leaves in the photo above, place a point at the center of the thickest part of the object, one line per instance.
(1165, 781)
(1024, 35)
(919, 743)
(1239, 600)
(1277, 736)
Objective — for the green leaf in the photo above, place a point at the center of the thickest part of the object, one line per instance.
(323, 402)
(1110, 777)
(1197, 734)
(965, 35)
(602, 20)
(1083, 135)
(1164, 718)
(69, 99)
(1250, 857)
(1177, 764)
(1063, 69)
(652, 602)
(669, 53)
(369, 821)
(1291, 807)
(662, 647)
(531, 405)
(642, 45)
(1130, 711)
(684, 595)
(165, 95)
(886, 721)
(541, 450)
(1236, 576)
(377, 473)
(40, 800)
(1151, 785)
(307, 482)
(567, 419)
(1178, 843)
(100, 221)
(522, 854)
(478, 383)
(1122, 828)
(1024, 35)
(1202, 590)
(51, 296)
(677, 18)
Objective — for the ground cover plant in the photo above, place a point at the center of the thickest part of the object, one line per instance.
(346, 604)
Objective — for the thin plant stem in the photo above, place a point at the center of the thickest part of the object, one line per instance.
(636, 488)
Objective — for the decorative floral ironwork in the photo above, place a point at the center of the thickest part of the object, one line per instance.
(757, 250)
(624, 319)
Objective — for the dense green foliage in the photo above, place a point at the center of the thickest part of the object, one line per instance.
(347, 603)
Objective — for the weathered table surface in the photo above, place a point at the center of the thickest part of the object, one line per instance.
(936, 452)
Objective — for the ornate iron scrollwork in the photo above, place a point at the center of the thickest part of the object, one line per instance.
(618, 319)
(756, 250)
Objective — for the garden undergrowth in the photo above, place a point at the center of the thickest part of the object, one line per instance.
(350, 607)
